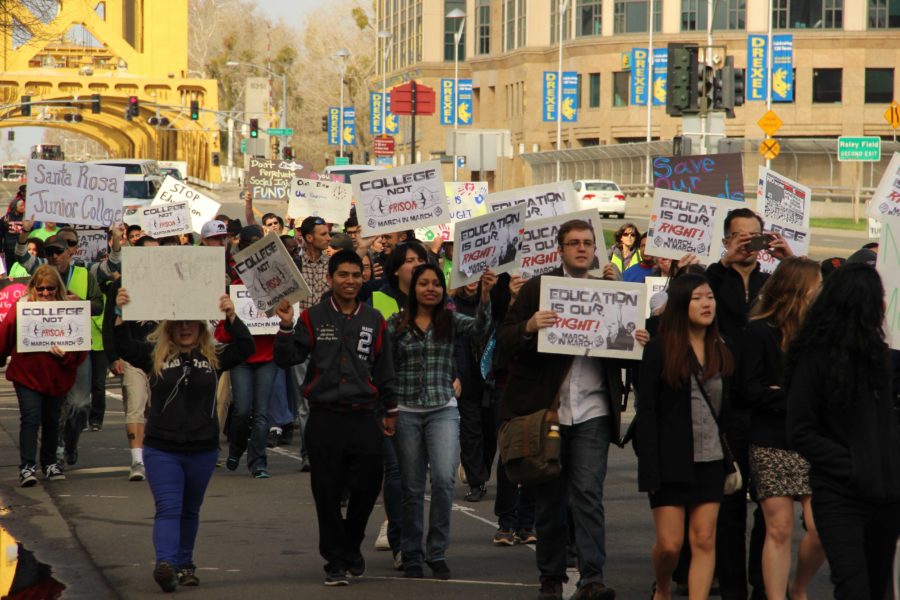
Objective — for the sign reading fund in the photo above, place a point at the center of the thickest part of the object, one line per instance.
(541, 201)
(398, 199)
(41, 325)
(489, 241)
(270, 274)
(74, 193)
(686, 224)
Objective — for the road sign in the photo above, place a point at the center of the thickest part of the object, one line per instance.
(770, 123)
(340, 161)
(892, 115)
(277, 131)
(401, 99)
(243, 146)
(769, 149)
(384, 145)
(859, 149)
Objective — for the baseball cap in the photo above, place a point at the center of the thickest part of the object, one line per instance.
(864, 256)
(54, 241)
(213, 229)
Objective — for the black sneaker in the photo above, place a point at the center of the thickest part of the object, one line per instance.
(357, 568)
(439, 569)
(476, 493)
(165, 576)
(273, 439)
(54, 473)
(233, 462)
(336, 577)
(187, 576)
(413, 572)
(26, 476)
(526, 536)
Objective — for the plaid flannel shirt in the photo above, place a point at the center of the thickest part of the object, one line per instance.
(314, 272)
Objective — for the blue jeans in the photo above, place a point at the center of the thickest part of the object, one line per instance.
(585, 449)
(178, 481)
(251, 389)
(37, 411)
(280, 411)
(77, 407)
(423, 439)
(392, 493)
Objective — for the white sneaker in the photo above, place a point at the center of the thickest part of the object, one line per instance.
(137, 472)
(381, 542)
(54, 472)
(461, 475)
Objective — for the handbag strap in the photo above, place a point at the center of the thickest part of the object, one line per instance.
(708, 401)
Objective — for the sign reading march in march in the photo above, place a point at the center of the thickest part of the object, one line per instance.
(40, 325)
(270, 274)
(541, 201)
(686, 224)
(888, 266)
(490, 241)
(271, 179)
(399, 199)
(314, 198)
(74, 193)
(718, 175)
(886, 199)
(203, 208)
(254, 317)
(784, 205)
(540, 247)
(164, 220)
(594, 317)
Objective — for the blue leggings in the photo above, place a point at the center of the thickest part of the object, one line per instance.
(178, 481)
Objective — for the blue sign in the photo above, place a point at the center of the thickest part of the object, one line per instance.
(660, 79)
(783, 68)
(757, 68)
(464, 102)
(334, 125)
(551, 84)
(446, 108)
(391, 124)
(640, 76)
(349, 133)
(569, 105)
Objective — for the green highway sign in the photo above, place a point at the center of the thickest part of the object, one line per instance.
(859, 149)
(276, 131)
(341, 160)
(243, 145)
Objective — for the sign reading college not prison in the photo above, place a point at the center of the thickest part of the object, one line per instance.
(399, 199)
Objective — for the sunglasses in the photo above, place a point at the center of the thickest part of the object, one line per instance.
(271, 224)
(72, 243)
(628, 234)
(53, 251)
(45, 288)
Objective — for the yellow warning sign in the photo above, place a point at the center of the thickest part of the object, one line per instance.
(770, 123)
(892, 115)
(769, 149)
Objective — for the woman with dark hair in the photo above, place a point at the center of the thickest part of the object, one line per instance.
(842, 417)
(428, 424)
(779, 474)
(404, 257)
(625, 252)
(34, 247)
(683, 386)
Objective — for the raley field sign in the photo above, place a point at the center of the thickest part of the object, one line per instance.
(400, 199)
(74, 193)
(66, 324)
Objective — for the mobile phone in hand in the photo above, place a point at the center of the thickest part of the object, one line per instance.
(760, 242)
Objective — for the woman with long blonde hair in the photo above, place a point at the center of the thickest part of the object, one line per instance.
(779, 474)
(181, 438)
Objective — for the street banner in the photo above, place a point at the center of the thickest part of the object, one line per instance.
(66, 324)
(551, 99)
(594, 317)
(640, 73)
(74, 193)
(253, 315)
(785, 207)
(464, 103)
(402, 198)
(448, 111)
(541, 201)
(540, 247)
(568, 96)
(654, 286)
(349, 132)
(270, 274)
(203, 208)
(885, 202)
(315, 198)
(687, 224)
(757, 68)
(888, 266)
(334, 125)
(91, 244)
(10, 291)
(660, 76)
(719, 175)
(783, 67)
(489, 241)
(271, 179)
(379, 102)
(164, 220)
(173, 282)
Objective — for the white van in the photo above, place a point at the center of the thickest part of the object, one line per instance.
(142, 180)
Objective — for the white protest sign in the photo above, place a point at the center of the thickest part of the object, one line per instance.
(540, 247)
(74, 193)
(444, 231)
(40, 325)
(595, 317)
(173, 282)
(253, 315)
(489, 241)
(270, 274)
(683, 223)
(799, 243)
(541, 201)
(203, 208)
(785, 205)
(164, 220)
(888, 266)
(654, 286)
(886, 199)
(398, 199)
(91, 244)
(467, 199)
(874, 229)
(325, 199)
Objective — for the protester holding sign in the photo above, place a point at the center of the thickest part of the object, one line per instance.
(41, 381)
(182, 363)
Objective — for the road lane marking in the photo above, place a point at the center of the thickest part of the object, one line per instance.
(464, 581)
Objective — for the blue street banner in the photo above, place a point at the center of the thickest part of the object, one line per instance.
(757, 68)
(376, 102)
(334, 125)
(464, 102)
(640, 71)
(660, 79)
(448, 112)
(783, 68)
(569, 97)
(349, 133)
(549, 105)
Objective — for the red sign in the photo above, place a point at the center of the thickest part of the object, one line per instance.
(401, 99)
(384, 145)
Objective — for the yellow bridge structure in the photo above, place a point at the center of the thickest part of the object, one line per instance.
(116, 49)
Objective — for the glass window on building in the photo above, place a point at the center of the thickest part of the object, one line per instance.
(451, 26)
(621, 81)
(594, 90)
(513, 24)
(520, 24)
(630, 16)
(808, 14)
(879, 86)
(729, 14)
(827, 86)
(589, 18)
(884, 14)
(483, 27)
(554, 22)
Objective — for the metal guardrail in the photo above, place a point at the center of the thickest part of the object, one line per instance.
(820, 194)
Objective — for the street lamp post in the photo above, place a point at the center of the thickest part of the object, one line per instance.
(563, 5)
(456, 15)
(342, 55)
(384, 36)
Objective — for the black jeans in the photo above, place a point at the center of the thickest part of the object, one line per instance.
(345, 451)
(477, 433)
(859, 539)
(99, 367)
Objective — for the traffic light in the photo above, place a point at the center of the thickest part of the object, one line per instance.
(133, 106)
(254, 128)
(681, 73)
(26, 106)
(73, 118)
(287, 153)
(739, 79)
(325, 124)
(195, 110)
(95, 104)
(706, 87)
(724, 88)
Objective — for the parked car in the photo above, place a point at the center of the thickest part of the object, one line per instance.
(602, 195)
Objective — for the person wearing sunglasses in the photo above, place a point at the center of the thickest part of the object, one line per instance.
(41, 381)
(625, 252)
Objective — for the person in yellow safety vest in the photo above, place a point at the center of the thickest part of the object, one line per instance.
(624, 252)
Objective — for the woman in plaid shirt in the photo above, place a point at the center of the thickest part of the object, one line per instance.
(428, 425)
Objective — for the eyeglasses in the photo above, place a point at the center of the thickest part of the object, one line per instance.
(45, 288)
(628, 234)
(577, 243)
(53, 251)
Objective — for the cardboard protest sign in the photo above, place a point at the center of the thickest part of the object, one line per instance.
(489, 241)
(888, 266)
(687, 224)
(164, 220)
(540, 247)
(541, 201)
(203, 208)
(74, 193)
(717, 175)
(444, 231)
(254, 316)
(270, 274)
(271, 179)
(173, 282)
(785, 207)
(40, 325)
(467, 199)
(10, 291)
(595, 317)
(398, 199)
(886, 199)
(314, 198)
(91, 244)
(654, 286)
